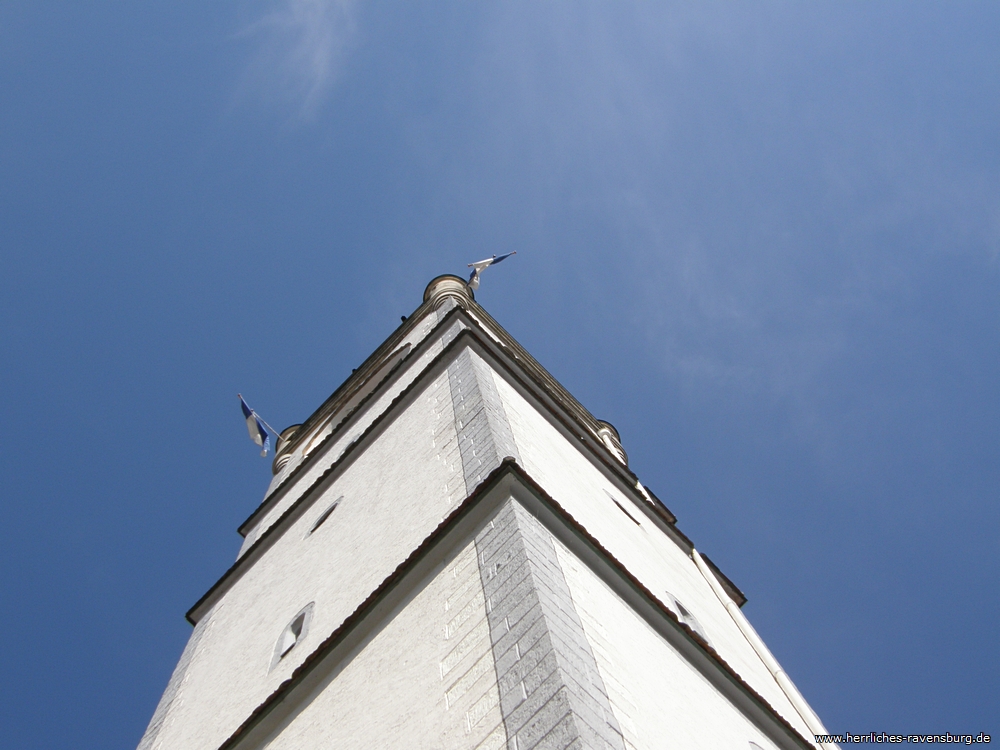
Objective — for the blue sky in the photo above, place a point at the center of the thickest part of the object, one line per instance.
(762, 239)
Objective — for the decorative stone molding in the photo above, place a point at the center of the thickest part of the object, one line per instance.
(609, 436)
(448, 287)
(282, 452)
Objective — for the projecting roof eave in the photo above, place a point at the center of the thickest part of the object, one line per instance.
(478, 318)
(471, 336)
(340, 396)
(457, 528)
(357, 378)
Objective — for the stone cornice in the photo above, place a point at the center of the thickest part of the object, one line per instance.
(468, 337)
(459, 525)
(441, 291)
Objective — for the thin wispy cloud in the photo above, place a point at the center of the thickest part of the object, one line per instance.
(300, 50)
(770, 210)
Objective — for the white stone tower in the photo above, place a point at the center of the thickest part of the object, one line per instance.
(454, 554)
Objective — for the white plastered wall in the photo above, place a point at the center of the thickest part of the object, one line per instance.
(395, 493)
(425, 680)
(559, 465)
(328, 454)
(661, 702)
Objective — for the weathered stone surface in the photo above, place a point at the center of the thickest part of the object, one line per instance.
(484, 434)
(551, 693)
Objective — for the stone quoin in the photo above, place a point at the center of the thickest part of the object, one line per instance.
(453, 553)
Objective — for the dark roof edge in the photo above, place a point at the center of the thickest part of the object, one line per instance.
(598, 451)
(569, 404)
(731, 588)
(485, 344)
(651, 598)
(353, 619)
(507, 466)
(272, 497)
(366, 368)
(261, 544)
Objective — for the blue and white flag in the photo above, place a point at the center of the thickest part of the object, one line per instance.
(481, 265)
(258, 433)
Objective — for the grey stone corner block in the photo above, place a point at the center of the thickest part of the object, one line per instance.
(551, 691)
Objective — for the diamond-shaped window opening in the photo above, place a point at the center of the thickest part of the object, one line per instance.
(293, 634)
(685, 616)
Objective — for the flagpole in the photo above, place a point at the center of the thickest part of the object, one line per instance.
(273, 431)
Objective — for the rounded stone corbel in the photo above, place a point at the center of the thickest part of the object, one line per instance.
(282, 452)
(610, 437)
(448, 287)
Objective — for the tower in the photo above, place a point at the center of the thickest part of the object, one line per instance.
(453, 553)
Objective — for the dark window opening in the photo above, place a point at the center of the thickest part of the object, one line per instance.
(293, 633)
(325, 515)
(621, 507)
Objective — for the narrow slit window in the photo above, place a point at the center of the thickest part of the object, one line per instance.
(325, 515)
(621, 507)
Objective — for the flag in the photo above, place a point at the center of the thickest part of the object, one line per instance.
(255, 427)
(481, 265)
